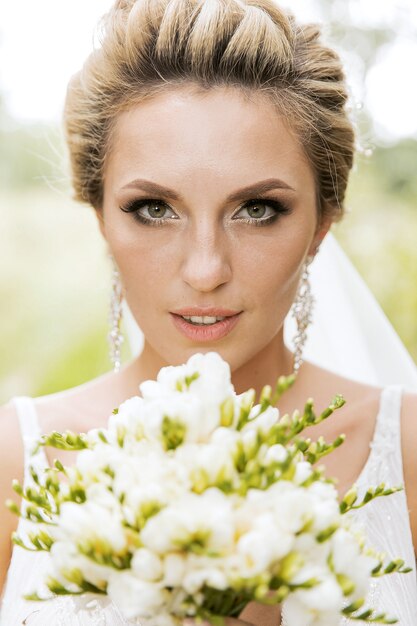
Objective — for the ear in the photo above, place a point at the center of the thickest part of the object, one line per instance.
(322, 230)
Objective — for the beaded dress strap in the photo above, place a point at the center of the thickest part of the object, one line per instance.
(387, 436)
(31, 432)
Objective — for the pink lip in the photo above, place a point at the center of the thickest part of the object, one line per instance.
(208, 310)
(206, 333)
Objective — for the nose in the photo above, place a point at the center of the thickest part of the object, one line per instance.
(206, 261)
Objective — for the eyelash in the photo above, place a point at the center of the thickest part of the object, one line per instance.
(278, 206)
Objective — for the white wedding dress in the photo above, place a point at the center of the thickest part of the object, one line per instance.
(367, 349)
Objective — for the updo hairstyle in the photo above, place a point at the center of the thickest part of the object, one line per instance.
(148, 46)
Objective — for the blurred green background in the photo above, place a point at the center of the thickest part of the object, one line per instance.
(55, 273)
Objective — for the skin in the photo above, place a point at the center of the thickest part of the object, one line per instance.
(206, 147)
(214, 257)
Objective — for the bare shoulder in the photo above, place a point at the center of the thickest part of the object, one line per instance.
(83, 407)
(11, 467)
(323, 385)
(409, 446)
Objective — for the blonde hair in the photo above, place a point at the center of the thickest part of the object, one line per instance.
(151, 45)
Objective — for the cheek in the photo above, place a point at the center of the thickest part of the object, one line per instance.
(270, 270)
(271, 290)
(141, 256)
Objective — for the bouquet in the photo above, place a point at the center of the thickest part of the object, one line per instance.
(195, 501)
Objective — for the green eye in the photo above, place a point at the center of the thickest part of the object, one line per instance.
(256, 210)
(149, 212)
(262, 211)
(156, 210)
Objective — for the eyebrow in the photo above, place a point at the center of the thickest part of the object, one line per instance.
(245, 192)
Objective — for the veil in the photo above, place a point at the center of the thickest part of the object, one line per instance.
(350, 334)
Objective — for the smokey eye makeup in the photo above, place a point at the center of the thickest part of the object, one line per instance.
(149, 211)
(156, 212)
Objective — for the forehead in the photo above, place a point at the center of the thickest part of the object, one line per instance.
(219, 133)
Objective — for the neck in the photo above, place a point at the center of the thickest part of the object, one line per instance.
(262, 369)
(265, 367)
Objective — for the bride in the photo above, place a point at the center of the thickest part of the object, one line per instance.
(213, 142)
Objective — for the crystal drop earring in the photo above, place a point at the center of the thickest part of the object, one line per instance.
(115, 336)
(302, 310)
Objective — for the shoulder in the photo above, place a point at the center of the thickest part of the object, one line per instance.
(11, 467)
(361, 398)
(409, 447)
(79, 408)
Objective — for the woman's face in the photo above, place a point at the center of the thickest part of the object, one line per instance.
(209, 210)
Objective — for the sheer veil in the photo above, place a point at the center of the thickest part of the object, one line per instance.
(350, 334)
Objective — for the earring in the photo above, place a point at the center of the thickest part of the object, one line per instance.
(301, 310)
(115, 336)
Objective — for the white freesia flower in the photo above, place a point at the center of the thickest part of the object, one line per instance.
(205, 377)
(325, 505)
(135, 597)
(275, 454)
(92, 463)
(214, 378)
(209, 377)
(151, 389)
(79, 523)
(209, 458)
(174, 567)
(249, 439)
(312, 550)
(225, 438)
(326, 595)
(348, 560)
(291, 504)
(150, 476)
(259, 554)
(128, 420)
(247, 511)
(103, 497)
(139, 499)
(66, 557)
(206, 518)
(195, 579)
(255, 552)
(303, 471)
(183, 408)
(169, 377)
(297, 613)
(93, 436)
(345, 550)
(146, 565)
(263, 422)
(130, 410)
